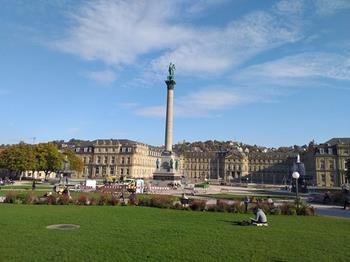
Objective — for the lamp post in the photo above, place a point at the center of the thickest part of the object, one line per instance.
(296, 176)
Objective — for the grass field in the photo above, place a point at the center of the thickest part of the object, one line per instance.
(115, 233)
(241, 197)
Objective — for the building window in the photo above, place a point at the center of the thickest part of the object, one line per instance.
(103, 170)
(85, 149)
(127, 171)
(97, 171)
(77, 149)
(321, 151)
(322, 164)
(330, 151)
(113, 160)
(123, 160)
(98, 160)
(123, 149)
(129, 149)
(331, 164)
(128, 160)
(111, 170)
(122, 171)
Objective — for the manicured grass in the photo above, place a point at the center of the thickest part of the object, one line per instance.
(241, 197)
(115, 233)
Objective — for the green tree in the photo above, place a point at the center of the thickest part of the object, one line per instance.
(48, 158)
(18, 158)
(75, 162)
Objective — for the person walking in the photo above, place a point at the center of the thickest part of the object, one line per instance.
(33, 185)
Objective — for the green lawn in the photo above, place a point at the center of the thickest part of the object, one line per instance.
(115, 233)
(241, 197)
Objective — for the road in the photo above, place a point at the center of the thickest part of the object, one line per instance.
(332, 211)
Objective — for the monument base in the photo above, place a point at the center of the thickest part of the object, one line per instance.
(167, 168)
(172, 177)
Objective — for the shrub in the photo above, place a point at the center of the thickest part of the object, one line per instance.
(145, 200)
(306, 210)
(198, 204)
(52, 199)
(11, 197)
(83, 200)
(275, 210)
(238, 207)
(113, 200)
(63, 200)
(103, 200)
(163, 201)
(93, 201)
(211, 208)
(133, 200)
(21, 198)
(223, 206)
(288, 209)
(31, 198)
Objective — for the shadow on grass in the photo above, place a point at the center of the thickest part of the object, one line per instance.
(237, 223)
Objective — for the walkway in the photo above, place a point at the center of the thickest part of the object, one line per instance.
(333, 211)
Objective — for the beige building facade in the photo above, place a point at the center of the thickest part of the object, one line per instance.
(116, 158)
(326, 162)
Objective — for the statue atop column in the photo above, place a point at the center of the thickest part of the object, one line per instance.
(171, 71)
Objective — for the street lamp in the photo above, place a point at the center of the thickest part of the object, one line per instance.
(296, 176)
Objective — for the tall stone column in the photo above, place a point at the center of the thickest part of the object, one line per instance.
(169, 116)
(168, 164)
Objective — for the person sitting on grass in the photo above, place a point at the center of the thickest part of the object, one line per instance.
(260, 217)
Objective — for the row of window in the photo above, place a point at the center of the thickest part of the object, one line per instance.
(104, 160)
(112, 171)
(322, 164)
(103, 150)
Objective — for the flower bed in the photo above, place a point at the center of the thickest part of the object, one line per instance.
(159, 201)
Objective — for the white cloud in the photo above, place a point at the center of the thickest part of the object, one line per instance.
(216, 50)
(330, 7)
(290, 7)
(202, 5)
(116, 32)
(119, 32)
(202, 103)
(105, 77)
(305, 65)
(128, 105)
(152, 111)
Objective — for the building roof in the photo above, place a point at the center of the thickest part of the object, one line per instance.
(339, 140)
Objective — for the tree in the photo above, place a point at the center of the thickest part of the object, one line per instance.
(48, 158)
(75, 162)
(18, 158)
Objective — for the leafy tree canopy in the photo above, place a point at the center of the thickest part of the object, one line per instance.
(75, 162)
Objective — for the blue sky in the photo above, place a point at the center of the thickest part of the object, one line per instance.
(270, 73)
